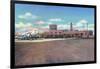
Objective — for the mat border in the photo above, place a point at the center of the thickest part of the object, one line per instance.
(12, 31)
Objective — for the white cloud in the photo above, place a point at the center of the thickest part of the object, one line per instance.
(55, 19)
(45, 27)
(26, 27)
(91, 27)
(63, 26)
(27, 15)
(29, 24)
(23, 26)
(82, 25)
(49, 23)
(20, 25)
(40, 22)
(21, 17)
(83, 21)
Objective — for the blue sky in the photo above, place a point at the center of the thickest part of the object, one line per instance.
(40, 16)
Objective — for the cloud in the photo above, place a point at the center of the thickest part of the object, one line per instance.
(27, 15)
(21, 17)
(55, 19)
(19, 25)
(40, 22)
(91, 27)
(46, 27)
(49, 23)
(26, 27)
(82, 25)
(23, 26)
(63, 26)
(83, 21)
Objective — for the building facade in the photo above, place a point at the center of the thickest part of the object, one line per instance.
(53, 27)
(67, 34)
(54, 33)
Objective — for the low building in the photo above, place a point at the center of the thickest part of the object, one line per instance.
(54, 33)
(66, 34)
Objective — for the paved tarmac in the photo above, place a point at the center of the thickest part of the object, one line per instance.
(57, 51)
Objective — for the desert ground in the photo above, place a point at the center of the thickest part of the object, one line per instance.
(58, 51)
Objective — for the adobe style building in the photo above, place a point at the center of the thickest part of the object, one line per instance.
(54, 33)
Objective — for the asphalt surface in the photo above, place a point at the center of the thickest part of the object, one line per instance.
(60, 51)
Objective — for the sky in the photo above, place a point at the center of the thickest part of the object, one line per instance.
(31, 17)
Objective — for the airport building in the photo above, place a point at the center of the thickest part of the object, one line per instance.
(54, 33)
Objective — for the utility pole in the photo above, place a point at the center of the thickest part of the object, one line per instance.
(71, 26)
